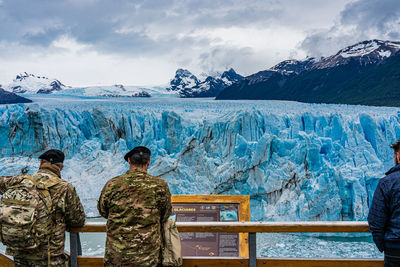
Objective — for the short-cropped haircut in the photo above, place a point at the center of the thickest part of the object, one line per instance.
(140, 158)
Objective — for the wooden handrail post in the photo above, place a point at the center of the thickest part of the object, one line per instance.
(252, 249)
(75, 248)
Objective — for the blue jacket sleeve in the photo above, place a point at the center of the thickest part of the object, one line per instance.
(379, 215)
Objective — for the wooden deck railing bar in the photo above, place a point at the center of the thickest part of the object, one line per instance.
(255, 227)
(240, 227)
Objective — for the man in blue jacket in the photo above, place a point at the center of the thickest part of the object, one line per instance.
(384, 213)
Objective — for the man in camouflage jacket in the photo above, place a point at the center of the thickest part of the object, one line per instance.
(67, 211)
(135, 204)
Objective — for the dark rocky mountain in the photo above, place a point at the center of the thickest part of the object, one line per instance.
(188, 85)
(352, 76)
(294, 66)
(11, 98)
(230, 76)
(379, 86)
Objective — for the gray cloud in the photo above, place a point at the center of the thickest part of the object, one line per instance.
(220, 58)
(165, 31)
(141, 28)
(360, 20)
(107, 25)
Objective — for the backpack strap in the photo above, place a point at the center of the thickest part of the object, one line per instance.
(43, 189)
(43, 193)
(52, 181)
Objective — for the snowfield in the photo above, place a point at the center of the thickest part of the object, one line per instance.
(116, 91)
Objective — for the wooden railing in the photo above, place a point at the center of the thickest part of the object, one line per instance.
(243, 227)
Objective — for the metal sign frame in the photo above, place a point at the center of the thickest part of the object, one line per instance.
(243, 211)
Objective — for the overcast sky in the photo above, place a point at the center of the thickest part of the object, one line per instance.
(143, 42)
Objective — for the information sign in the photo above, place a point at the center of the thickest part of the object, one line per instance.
(212, 208)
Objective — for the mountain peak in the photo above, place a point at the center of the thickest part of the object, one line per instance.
(209, 85)
(183, 72)
(383, 48)
(25, 75)
(293, 65)
(364, 73)
(27, 83)
(183, 78)
(230, 71)
(230, 76)
(365, 52)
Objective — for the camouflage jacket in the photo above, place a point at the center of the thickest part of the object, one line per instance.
(135, 204)
(67, 210)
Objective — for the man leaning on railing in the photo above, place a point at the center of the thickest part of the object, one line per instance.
(135, 204)
(35, 212)
(384, 213)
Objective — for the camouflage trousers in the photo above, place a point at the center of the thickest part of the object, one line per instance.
(110, 264)
(55, 261)
(118, 263)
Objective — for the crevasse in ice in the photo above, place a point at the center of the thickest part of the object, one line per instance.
(296, 161)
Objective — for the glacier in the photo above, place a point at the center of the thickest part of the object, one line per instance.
(297, 161)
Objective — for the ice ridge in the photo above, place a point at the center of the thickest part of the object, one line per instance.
(303, 165)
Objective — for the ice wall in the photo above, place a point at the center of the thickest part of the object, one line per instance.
(298, 162)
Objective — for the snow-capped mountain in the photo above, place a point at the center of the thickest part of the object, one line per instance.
(366, 52)
(26, 83)
(230, 76)
(294, 66)
(187, 84)
(279, 73)
(183, 79)
(364, 73)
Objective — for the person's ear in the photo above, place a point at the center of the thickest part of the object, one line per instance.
(129, 161)
(148, 163)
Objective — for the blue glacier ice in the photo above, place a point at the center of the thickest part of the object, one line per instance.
(297, 161)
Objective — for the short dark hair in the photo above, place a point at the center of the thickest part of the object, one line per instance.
(140, 159)
(58, 164)
(396, 146)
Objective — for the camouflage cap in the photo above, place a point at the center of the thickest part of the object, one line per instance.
(138, 150)
(53, 156)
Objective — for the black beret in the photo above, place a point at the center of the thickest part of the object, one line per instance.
(137, 150)
(53, 156)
